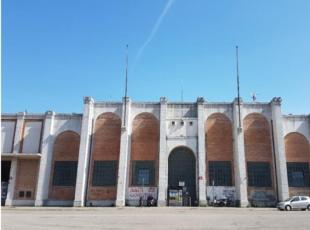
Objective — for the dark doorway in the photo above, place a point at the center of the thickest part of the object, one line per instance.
(182, 172)
(5, 176)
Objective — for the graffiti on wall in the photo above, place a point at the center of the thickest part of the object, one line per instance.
(220, 192)
(134, 193)
(260, 198)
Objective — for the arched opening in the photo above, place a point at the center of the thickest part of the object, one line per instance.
(102, 184)
(297, 151)
(219, 157)
(182, 175)
(219, 149)
(64, 166)
(259, 161)
(143, 179)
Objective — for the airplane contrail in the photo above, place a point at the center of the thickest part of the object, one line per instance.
(153, 32)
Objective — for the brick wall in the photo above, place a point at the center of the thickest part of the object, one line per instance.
(297, 149)
(218, 140)
(145, 140)
(106, 146)
(258, 147)
(66, 148)
(26, 178)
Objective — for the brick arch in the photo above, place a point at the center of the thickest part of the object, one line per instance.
(66, 148)
(257, 138)
(258, 150)
(106, 139)
(105, 147)
(145, 137)
(219, 141)
(145, 141)
(218, 136)
(297, 148)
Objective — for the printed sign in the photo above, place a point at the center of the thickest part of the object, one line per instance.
(134, 193)
(220, 192)
(181, 183)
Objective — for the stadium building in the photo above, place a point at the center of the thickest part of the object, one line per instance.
(121, 153)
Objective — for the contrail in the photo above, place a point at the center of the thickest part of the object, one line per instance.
(153, 32)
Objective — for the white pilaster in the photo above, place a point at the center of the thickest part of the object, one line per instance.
(201, 153)
(163, 156)
(16, 149)
(239, 155)
(46, 159)
(279, 148)
(124, 156)
(84, 152)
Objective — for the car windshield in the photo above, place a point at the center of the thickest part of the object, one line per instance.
(288, 199)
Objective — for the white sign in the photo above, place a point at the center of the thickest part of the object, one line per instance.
(181, 183)
(221, 192)
(134, 193)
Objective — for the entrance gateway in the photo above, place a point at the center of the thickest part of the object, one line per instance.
(181, 177)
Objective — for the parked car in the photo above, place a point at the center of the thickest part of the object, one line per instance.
(294, 203)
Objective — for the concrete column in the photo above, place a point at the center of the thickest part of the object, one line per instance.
(84, 152)
(46, 159)
(239, 155)
(16, 149)
(163, 155)
(124, 156)
(201, 153)
(279, 148)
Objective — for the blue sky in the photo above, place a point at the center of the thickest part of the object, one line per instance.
(56, 52)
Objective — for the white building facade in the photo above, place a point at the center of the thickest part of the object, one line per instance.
(120, 153)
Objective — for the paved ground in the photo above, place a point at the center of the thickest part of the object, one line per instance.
(152, 218)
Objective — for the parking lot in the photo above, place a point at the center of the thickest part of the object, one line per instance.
(152, 218)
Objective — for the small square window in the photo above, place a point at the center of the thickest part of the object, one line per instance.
(182, 123)
(173, 122)
(191, 123)
(28, 194)
(21, 194)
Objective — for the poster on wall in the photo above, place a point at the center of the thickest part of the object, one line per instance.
(134, 193)
(220, 192)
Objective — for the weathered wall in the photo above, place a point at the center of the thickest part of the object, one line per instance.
(26, 178)
(7, 135)
(106, 146)
(218, 141)
(258, 148)
(32, 136)
(297, 149)
(66, 148)
(145, 141)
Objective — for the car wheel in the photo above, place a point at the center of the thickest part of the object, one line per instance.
(288, 208)
(308, 207)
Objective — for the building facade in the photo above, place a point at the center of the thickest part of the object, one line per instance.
(119, 153)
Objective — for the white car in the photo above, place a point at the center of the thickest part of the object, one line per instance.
(294, 203)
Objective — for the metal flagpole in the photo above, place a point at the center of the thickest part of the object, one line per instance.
(126, 83)
(238, 87)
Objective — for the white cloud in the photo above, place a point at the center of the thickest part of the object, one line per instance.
(153, 31)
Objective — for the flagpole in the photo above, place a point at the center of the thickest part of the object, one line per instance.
(126, 83)
(238, 87)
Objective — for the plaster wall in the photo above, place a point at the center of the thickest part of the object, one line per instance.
(7, 136)
(32, 137)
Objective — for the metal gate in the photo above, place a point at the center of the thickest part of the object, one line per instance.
(182, 170)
